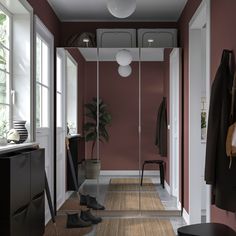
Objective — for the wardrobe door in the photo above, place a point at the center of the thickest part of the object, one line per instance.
(119, 139)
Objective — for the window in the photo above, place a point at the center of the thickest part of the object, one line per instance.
(42, 83)
(5, 71)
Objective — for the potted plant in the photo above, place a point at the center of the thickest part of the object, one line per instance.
(93, 165)
(3, 132)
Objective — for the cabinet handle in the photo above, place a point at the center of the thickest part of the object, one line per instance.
(21, 210)
(38, 196)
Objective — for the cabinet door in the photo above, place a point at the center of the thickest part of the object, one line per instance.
(20, 223)
(36, 215)
(37, 172)
(20, 182)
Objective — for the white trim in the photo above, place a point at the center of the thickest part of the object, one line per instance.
(175, 56)
(167, 187)
(200, 19)
(129, 173)
(186, 217)
(47, 36)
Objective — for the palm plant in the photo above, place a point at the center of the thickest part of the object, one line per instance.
(90, 127)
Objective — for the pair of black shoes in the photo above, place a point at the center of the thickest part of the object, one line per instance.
(90, 202)
(85, 219)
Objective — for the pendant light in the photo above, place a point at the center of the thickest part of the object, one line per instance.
(121, 8)
(125, 71)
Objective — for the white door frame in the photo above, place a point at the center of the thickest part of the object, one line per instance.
(174, 81)
(61, 135)
(42, 30)
(200, 20)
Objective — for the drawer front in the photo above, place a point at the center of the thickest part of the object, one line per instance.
(20, 223)
(37, 215)
(37, 172)
(20, 182)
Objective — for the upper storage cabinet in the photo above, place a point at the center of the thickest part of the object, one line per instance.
(158, 38)
(116, 38)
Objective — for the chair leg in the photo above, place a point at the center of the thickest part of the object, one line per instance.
(161, 166)
(142, 174)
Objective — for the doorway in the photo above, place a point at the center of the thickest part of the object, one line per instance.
(199, 92)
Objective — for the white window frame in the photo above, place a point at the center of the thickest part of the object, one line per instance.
(10, 72)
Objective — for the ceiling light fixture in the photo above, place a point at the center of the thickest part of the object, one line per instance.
(125, 71)
(121, 8)
(124, 57)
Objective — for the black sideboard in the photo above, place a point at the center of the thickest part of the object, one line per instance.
(22, 181)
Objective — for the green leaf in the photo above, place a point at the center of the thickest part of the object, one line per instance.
(91, 136)
(89, 125)
(2, 18)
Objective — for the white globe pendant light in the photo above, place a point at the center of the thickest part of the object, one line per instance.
(125, 71)
(121, 8)
(124, 57)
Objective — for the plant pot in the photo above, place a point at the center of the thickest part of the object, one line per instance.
(92, 169)
(203, 133)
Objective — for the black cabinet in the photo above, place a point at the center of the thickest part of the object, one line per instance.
(22, 193)
(77, 149)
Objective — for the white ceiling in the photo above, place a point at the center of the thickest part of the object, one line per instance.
(96, 10)
(109, 54)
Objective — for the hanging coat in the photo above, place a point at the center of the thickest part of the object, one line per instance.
(217, 172)
(161, 129)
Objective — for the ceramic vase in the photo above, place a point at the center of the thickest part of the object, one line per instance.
(19, 125)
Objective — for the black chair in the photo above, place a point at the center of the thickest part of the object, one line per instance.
(161, 168)
(206, 229)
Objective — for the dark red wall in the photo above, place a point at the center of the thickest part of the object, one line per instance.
(44, 11)
(223, 35)
(75, 53)
(183, 25)
(71, 28)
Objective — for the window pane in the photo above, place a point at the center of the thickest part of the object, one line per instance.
(38, 106)
(59, 73)
(4, 59)
(59, 110)
(38, 59)
(4, 87)
(45, 63)
(4, 120)
(4, 29)
(45, 107)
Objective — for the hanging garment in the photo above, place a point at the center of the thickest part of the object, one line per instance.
(217, 171)
(161, 129)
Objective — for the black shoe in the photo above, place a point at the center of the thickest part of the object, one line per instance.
(90, 202)
(88, 216)
(83, 199)
(74, 221)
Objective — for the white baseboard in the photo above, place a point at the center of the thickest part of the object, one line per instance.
(167, 187)
(129, 173)
(186, 216)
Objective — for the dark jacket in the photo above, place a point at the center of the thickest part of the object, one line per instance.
(161, 129)
(217, 172)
